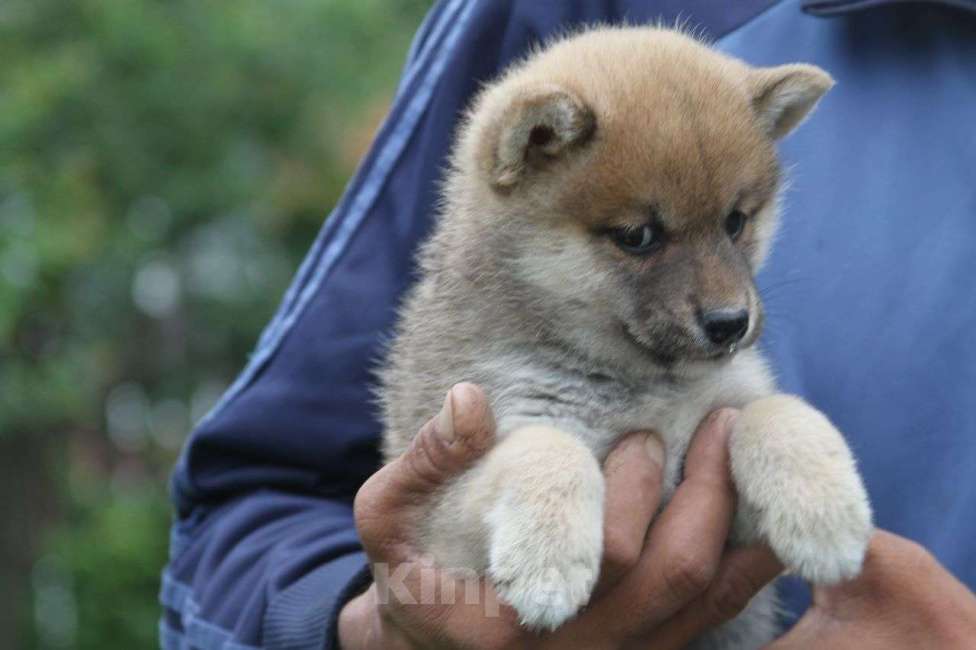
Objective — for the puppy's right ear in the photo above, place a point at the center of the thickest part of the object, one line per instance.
(783, 96)
(536, 127)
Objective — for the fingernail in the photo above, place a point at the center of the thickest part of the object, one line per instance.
(725, 420)
(444, 426)
(655, 449)
(730, 419)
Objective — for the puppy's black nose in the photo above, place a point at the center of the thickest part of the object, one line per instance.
(725, 326)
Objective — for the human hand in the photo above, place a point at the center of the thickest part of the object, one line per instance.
(661, 585)
(903, 599)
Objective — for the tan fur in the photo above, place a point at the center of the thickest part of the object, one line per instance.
(577, 341)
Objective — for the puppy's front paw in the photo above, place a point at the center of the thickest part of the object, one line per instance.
(821, 543)
(545, 590)
(546, 549)
(800, 489)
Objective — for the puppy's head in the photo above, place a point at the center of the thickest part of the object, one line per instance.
(632, 179)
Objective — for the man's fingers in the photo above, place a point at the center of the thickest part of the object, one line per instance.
(633, 472)
(445, 446)
(684, 546)
(741, 575)
(708, 455)
(692, 531)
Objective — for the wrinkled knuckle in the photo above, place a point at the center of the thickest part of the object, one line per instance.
(727, 597)
(688, 575)
(427, 461)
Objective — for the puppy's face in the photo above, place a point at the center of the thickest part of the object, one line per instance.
(639, 173)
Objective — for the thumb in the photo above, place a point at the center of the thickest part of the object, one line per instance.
(445, 446)
(387, 504)
(817, 628)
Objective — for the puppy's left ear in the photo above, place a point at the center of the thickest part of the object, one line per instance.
(537, 126)
(783, 96)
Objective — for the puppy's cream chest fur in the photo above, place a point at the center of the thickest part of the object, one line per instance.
(599, 408)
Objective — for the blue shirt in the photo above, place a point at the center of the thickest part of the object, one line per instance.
(869, 294)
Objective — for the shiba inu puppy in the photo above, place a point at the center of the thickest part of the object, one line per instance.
(609, 202)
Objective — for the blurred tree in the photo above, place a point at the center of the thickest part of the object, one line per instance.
(163, 166)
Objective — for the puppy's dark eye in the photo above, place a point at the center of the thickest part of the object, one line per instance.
(636, 240)
(735, 223)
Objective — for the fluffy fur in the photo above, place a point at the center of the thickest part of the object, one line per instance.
(576, 341)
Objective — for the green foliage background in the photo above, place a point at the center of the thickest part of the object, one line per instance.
(164, 164)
